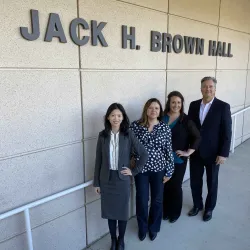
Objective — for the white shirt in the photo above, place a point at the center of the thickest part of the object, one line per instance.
(204, 108)
(114, 150)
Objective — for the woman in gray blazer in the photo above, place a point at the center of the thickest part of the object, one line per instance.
(112, 170)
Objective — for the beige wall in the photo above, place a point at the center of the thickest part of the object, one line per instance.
(53, 97)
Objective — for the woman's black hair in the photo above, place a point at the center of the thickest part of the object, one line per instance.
(124, 127)
(167, 107)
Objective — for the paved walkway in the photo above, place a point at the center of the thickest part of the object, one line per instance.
(228, 230)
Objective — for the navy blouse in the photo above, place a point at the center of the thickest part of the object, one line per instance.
(158, 144)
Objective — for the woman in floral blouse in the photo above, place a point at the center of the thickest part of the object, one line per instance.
(155, 135)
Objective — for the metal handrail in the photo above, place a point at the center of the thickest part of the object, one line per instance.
(240, 111)
(44, 200)
(27, 207)
(234, 116)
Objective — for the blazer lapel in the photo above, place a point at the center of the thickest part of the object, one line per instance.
(197, 112)
(107, 148)
(121, 144)
(210, 112)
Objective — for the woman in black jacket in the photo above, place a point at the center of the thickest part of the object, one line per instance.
(185, 140)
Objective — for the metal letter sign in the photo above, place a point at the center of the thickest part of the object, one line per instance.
(163, 42)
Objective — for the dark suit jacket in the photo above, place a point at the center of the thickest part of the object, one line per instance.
(216, 130)
(185, 135)
(127, 144)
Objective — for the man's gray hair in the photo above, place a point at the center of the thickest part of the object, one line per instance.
(207, 78)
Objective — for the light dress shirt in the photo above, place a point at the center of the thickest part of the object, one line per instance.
(114, 150)
(204, 108)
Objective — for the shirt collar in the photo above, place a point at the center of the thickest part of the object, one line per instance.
(114, 133)
(210, 103)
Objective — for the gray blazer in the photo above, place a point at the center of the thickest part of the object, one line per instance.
(127, 144)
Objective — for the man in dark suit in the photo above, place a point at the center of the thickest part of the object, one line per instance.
(213, 118)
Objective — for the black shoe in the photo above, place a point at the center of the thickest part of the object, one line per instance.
(207, 215)
(152, 235)
(120, 244)
(113, 243)
(165, 218)
(173, 220)
(141, 236)
(194, 211)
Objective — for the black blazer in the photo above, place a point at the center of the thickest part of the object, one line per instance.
(185, 135)
(127, 144)
(216, 130)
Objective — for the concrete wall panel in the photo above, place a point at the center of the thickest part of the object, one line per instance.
(239, 123)
(237, 142)
(247, 102)
(18, 52)
(17, 243)
(231, 87)
(12, 226)
(240, 48)
(38, 109)
(206, 11)
(96, 226)
(32, 177)
(235, 15)
(185, 27)
(246, 128)
(132, 89)
(15, 225)
(161, 5)
(64, 233)
(89, 152)
(249, 57)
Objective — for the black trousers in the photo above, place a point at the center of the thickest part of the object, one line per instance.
(172, 197)
(151, 221)
(197, 165)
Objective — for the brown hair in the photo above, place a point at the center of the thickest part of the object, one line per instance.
(171, 94)
(144, 118)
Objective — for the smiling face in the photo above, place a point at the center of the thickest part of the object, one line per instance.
(153, 111)
(208, 89)
(115, 118)
(175, 104)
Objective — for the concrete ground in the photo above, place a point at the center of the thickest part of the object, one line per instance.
(228, 230)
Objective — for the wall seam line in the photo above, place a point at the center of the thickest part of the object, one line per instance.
(110, 70)
(144, 7)
(82, 120)
(215, 25)
(218, 34)
(243, 123)
(167, 59)
(40, 150)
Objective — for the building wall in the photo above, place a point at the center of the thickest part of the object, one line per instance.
(53, 97)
